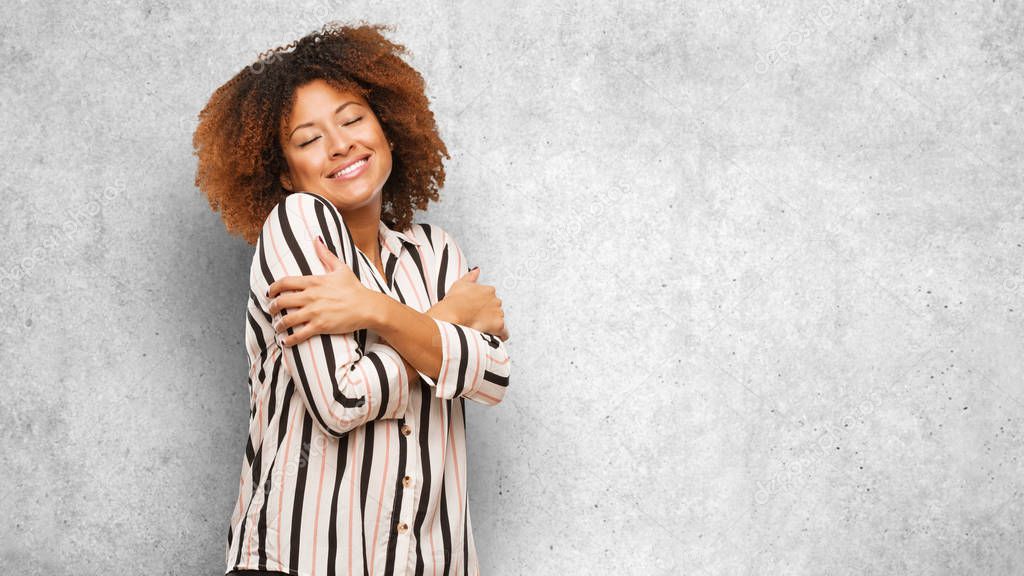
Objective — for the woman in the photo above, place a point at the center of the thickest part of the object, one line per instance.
(365, 332)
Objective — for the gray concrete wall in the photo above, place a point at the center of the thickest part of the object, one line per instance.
(761, 263)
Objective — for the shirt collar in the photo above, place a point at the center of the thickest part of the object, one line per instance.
(393, 238)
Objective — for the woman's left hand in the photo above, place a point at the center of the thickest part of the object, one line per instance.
(331, 303)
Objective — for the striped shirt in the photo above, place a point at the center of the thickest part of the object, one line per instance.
(350, 468)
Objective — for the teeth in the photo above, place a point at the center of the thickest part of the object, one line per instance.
(351, 168)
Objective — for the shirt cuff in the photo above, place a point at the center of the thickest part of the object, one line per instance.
(391, 384)
(464, 360)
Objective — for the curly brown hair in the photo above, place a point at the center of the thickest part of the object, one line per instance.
(237, 139)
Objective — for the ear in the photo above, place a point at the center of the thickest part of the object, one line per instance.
(286, 181)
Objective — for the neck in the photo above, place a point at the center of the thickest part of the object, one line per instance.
(363, 224)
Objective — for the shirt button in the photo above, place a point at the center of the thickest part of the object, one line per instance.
(402, 527)
(406, 430)
(407, 481)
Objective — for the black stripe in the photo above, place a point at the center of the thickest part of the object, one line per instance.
(396, 507)
(399, 292)
(340, 226)
(252, 408)
(389, 268)
(321, 218)
(241, 535)
(465, 500)
(249, 454)
(257, 471)
(424, 447)
(364, 483)
(426, 232)
(256, 301)
(248, 383)
(272, 402)
(463, 360)
(382, 377)
(300, 492)
(496, 378)
(446, 531)
(289, 238)
(419, 267)
(332, 531)
(261, 248)
(264, 349)
(373, 277)
(491, 339)
(261, 526)
(442, 272)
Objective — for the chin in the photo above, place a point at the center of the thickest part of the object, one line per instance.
(349, 199)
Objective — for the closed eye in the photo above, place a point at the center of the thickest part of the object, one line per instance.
(353, 121)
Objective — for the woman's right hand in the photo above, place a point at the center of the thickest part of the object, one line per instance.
(474, 305)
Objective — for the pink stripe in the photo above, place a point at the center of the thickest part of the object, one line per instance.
(455, 458)
(488, 396)
(458, 480)
(380, 498)
(367, 387)
(411, 282)
(319, 493)
(431, 294)
(280, 494)
(443, 430)
(401, 381)
(238, 515)
(476, 354)
(445, 354)
(351, 496)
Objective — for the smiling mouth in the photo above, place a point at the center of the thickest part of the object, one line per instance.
(351, 170)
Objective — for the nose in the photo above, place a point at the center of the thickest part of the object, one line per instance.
(338, 142)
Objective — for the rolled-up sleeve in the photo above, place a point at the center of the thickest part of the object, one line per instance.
(342, 385)
(474, 364)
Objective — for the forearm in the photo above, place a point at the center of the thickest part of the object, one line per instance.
(412, 333)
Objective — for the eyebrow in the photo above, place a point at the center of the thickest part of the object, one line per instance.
(307, 124)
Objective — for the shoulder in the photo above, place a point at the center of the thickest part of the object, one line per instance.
(311, 211)
(426, 233)
(301, 201)
(431, 235)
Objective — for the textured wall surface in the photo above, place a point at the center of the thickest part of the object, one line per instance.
(762, 263)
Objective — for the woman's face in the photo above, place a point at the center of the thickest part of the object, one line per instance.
(329, 131)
